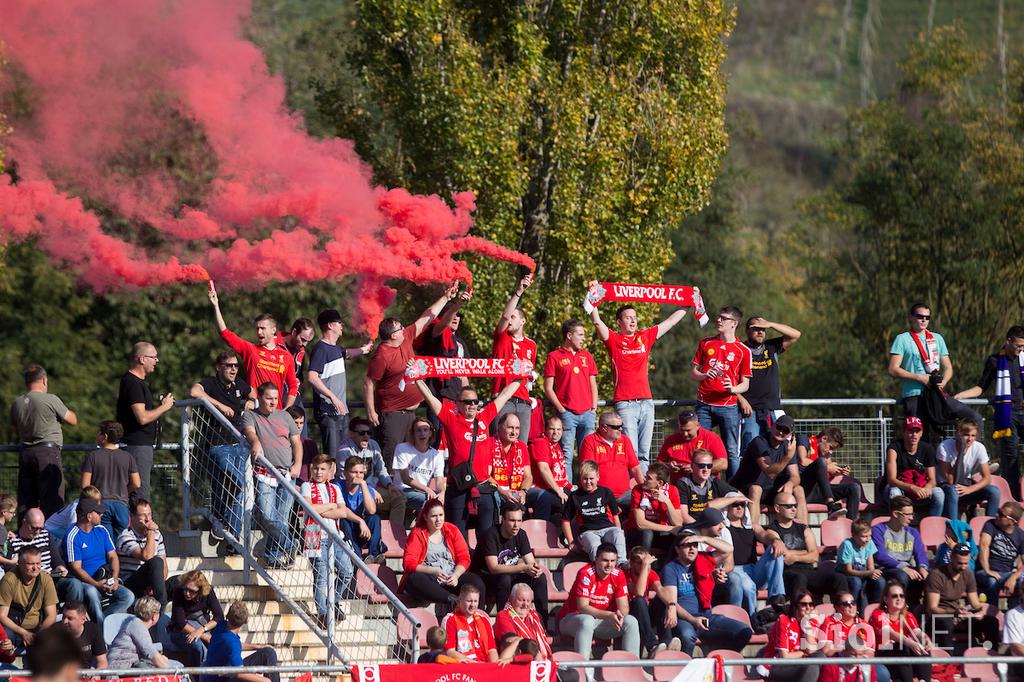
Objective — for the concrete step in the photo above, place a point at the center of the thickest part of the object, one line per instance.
(284, 639)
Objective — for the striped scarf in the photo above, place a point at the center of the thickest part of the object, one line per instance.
(1003, 401)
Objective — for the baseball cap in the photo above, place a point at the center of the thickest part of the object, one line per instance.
(687, 531)
(327, 316)
(785, 422)
(707, 518)
(913, 424)
(88, 505)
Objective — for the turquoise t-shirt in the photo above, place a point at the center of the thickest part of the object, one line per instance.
(857, 556)
(911, 362)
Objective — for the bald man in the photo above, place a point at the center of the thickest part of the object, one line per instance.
(137, 413)
(32, 533)
(796, 544)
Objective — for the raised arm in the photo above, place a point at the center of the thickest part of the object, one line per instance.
(599, 326)
(435, 308)
(672, 320)
(432, 402)
(211, 291)
(790, 335)
(513, 303)
(449, 312)
(506, 393)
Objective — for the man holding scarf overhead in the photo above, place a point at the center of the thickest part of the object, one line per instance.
(1007, 370)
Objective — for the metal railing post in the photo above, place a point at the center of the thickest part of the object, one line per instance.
(186, 468)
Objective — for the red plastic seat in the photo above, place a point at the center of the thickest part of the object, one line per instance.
(833, 532)
(569, 572)
(544, 539)
(976, 525)
(933, 531)
(980, 672)
(630, 674)
(554, 594)
(394, 535)
(664, 673)
(740, 614)
(427, 620)
(879, 519)
(1004, 488)
(367, 590)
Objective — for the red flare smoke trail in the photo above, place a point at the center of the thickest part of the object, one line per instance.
(106, 74)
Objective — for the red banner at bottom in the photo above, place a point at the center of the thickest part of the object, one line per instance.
(535, 671)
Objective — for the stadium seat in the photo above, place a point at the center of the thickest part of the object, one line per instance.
(664, 673)
(394, 535)
(740, 614)
(729, 654)
(427, 620)
(980, 672)
(821, 508)
(567, 674)
(933, 531)
(367, 590)
(879, 519)
(976, 525)
(1004, 488)
(833, 532)
(569, 572)
(630, 674)
(544, 539)
(868, 611)
(554, 594)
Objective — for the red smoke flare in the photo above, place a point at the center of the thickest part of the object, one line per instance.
(108, 76)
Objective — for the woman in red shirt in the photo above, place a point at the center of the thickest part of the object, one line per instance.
(796, 634)
(898, 634)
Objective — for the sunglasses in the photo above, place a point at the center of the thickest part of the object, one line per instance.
(703, 465)
(805, 603)
(788, 506)
(922, 317)
(362, 432)
(229, 365)
(734, 505)
(190, 590)
(474, 401)
(613, 427)
(726, 318)
(897, 596)
(1008, 516)
(783, 431)
(688, 544)
(848, 602)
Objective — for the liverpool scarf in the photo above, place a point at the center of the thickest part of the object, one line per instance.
(446, 368)
(1004, 395)
(687, 297)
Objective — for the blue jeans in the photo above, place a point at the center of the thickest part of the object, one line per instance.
(414, 499)
(275, 509)
(865, 591)
(194, 652)
(936, 504)
(359, 543)
(989, 495)
(750, 428)
(343, 571)
(76, 590)
(116, 518)
(638, 426)
(228, 482)
(991, 587)
(722, 633)
(333, 431)
(575, 427)
(727, 418)
(746, 579)
(545, 505)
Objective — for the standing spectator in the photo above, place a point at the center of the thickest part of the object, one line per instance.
(318, 547)
(856, 559)
(1005, 368)
(751, 573)
(678, 448)
(947, 588)
(132, 646)
(770, 467)
(115, 473)
(964, 472)
(764, 397)
(28, 599)
(700, 490)
(901, 554)
(1013, 633)
(359, 499)
(648, 600)
(55, 657)
(690, 580)
(570, 384)
(60, 523)
(521, 618)
(919, 358)
(613, 452)
(295, 343)
(226, 649)
(136, 413)
(88, 634)
(93, 566)
(195, 612)
(470, 637)
(228, 454)
(510, 342)
(910, 470)
(265, 361)
(419, 466)
(441, 340)
(628, 351)
(796, 544)
(32, 532)
(460, 420)
(591, 515)
(510, 462)
(37, 416)
(722, 366)
(386, 491)
(504, 558)
(1000, 552)
(899, 635)
(390, 407)
(598, 606)
(654, 514)
(550, 469)
(814, 460)
(327, 377)
(272, 433)
(143, 555)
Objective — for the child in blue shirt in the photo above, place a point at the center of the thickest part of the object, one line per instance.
(856, 560)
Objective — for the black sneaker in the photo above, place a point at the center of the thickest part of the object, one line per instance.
(835, 510)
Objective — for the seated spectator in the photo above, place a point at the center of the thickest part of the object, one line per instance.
(899, 635)
(551, 485)
(32, 533)
(591, 515)
(814, 460)
(387, 491)
(226, 649)
(437, 638)
(54, 657)
(964, 472)
(309, 448)
(326, 499)
(87, 634)
(678, 449)
(613, 453)
(648, 601)
(855, 647)
(944, 593)
(699, 489)
(769, 466)
(115, 473)
(419, 467)
(845, 625)
(28, 599)
(751, 572)
(910, 470)
(598, 607)
(470, 637)
(195, 612)
(504, 558)
(795, 542)
(1000, 550)
(690, 580)
(60, 523)
(519, 617)
(901, 554)
(361, 501)
(93, 566)
(855, 559)
(132, 646)
(654, 514)
(436, 561)
(795, 635)
(1013, 633)
(140, 548)
(510, 462)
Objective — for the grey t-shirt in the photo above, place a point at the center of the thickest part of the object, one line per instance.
(439, 556)
(111, 472)
(131, 646)
(37, 416)
(274, 432)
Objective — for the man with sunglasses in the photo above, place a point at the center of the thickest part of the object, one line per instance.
(764, 397)
(678, 448)
(901, 553)
(945, 592)
(796, 544)
(700, 490)
(613, 452)
(770, 467)
(32, 533)
(1001, 552)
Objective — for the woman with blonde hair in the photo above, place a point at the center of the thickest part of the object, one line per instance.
(195, 611)
(132, 646)
(897, 633)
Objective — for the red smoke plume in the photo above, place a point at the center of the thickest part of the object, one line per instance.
(108, 75)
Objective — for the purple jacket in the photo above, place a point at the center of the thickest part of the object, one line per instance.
(885, 560)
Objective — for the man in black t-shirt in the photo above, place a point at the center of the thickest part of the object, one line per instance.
(504, 557)
(136, 413)
(591, 515)
(796, 544)
(765, 393)
(1000, 552)
(769, 466)
(699, 490)
(910, 470)
(89, 635)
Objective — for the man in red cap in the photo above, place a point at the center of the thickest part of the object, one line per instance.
(910, 469)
